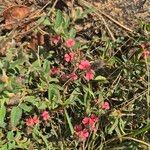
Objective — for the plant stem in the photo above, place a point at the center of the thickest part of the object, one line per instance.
(69, 121)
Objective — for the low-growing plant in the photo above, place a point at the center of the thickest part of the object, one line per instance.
(70, 94)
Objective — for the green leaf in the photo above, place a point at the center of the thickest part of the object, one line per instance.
(10, 136)
(18, 62)
(2, 115)
(51, 92)
(11, 145)
(113, 127)
(100, 78)
(35, 65)
(78, 13)
(118, 131)
(25, 107)
(32, 100)
(42, 106)
(59, 19)
(46, 22)
(37, 134)
(73, 97)
(66, 22)
(4, 147)
(41, 20)
(69, 122)
(87, 11)
(46, 66)
(53, 80)
(89, 90)
(15, 116)
(72, 33)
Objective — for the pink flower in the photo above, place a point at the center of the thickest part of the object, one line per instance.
(93, 121)
(78, 128)
(45, 115)
(105, 106)
(70, 43)
(146, 54)
(85, 120)
(55, 39)
(73, 76)
(90, 122)
(35, 119)
(29, 122)
(55, 71)
(32, 121)
(84, 65)
(94, 118)
(83, 134)
(89, 75)
(69, 57)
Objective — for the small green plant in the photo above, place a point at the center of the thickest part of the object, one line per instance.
(72, 94)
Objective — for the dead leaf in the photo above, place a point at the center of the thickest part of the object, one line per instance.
(4, 78)
(14, 100)
(14, 14)
(36, 40)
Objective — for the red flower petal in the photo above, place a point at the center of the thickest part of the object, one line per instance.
(55, 71)
(55, 39)
(69, 57)
(45, 115)
(83, 135)
(29, 122)
(84, 64)
(35, 119)
(146, 54)
(70, 43)
(78, 128)
(85, 120)
(105, 106)
(89, 75)
(73, 76)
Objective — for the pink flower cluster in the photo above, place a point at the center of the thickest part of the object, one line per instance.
(85, 65)
(88, 124)
(56, 71)
(82, 134)
(69, 43)
(31, 121)
(69, 57)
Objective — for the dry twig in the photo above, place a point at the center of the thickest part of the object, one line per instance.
(99, 13)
